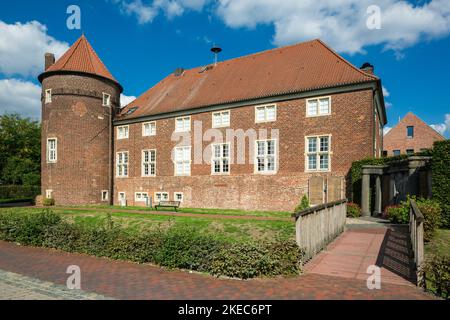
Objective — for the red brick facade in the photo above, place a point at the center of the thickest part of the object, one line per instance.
(351, 127)
(87, 139)
(423, 136)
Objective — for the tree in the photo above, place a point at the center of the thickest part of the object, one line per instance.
(20, 150)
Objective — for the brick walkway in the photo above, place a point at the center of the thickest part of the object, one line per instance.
(124, 280)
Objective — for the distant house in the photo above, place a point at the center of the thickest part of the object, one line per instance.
(410, 135)
(255, 132)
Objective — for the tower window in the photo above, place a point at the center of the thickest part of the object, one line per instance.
(52, 150)
(410, 131)
(48, 96)
(106, 100)
(105, 195)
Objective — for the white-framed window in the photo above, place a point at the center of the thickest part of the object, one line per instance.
(183, 161)
(183, 124)
(106, 100)
(148, 163)
(123, 132)
(266, 113)
(105, 195)
(48, 96)
(220, 162)
(318, 107)
(178, 196)
(122, 164)
(48, 193)
(318, 150)
(52, 150)
(149, 129)
(122, 196)
(161, 196)
(221, 119)
(140, 196)
(265, 156)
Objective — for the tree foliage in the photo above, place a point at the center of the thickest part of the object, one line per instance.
(20, 150)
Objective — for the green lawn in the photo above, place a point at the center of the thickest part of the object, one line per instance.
(440, 245)
(229, 229)
(235, 212)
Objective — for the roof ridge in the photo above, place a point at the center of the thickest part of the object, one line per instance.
(346, 61)
(258, 53)
(88, 49)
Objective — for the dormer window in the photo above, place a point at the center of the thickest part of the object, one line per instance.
(106, 100)
(48, 96)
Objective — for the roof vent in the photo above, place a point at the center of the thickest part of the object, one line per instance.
(216, 50)
(178, 72)
(367, 67)
(131, 110)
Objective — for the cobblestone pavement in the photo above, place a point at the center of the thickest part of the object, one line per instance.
(14, 286)
(125, 280)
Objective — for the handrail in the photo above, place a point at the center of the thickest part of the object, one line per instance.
(317, 208)
(416, 235)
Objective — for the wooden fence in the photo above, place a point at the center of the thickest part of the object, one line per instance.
(317, 226)
(416, 234)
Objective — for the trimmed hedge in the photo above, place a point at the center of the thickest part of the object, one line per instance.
(176, 247)
(441, 177)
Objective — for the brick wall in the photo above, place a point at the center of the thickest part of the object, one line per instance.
(77, 119)
(351, 126)
(424, 136)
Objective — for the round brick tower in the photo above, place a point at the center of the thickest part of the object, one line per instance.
(80, 98)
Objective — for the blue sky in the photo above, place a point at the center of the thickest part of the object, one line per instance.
(142, 41)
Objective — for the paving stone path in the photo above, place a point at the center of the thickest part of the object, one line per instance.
(14, 286)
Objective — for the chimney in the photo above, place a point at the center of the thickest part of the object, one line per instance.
(49, 60)
(367, 67)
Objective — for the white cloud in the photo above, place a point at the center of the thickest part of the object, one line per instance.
(145, 12)
(386, 129)
(23, 97)
(124, 100)
(385, 92)
(22, 48)
(387, 104)
(341, 23)
(443, 128)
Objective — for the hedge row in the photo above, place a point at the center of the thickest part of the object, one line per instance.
(435, 274)
(441, 177)
(176, 247)
(19, 192)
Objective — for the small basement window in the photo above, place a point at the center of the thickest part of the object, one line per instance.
(105, 195)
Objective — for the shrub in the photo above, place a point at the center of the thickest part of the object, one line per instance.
(440, 168)
(432, 216)
(304, 204)
(48, 202)
(176, 247)
(398, 213)
(353, 210)
(435, 273)
(431, 211)
(12, 192)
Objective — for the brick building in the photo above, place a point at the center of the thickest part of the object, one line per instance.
(410, 135)
(255, 132)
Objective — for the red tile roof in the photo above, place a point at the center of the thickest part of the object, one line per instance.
(81, 57)
(296, 68)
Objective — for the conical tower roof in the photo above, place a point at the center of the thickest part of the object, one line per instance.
(81, 57)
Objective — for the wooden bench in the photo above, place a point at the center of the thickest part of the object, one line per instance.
(168, 204)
